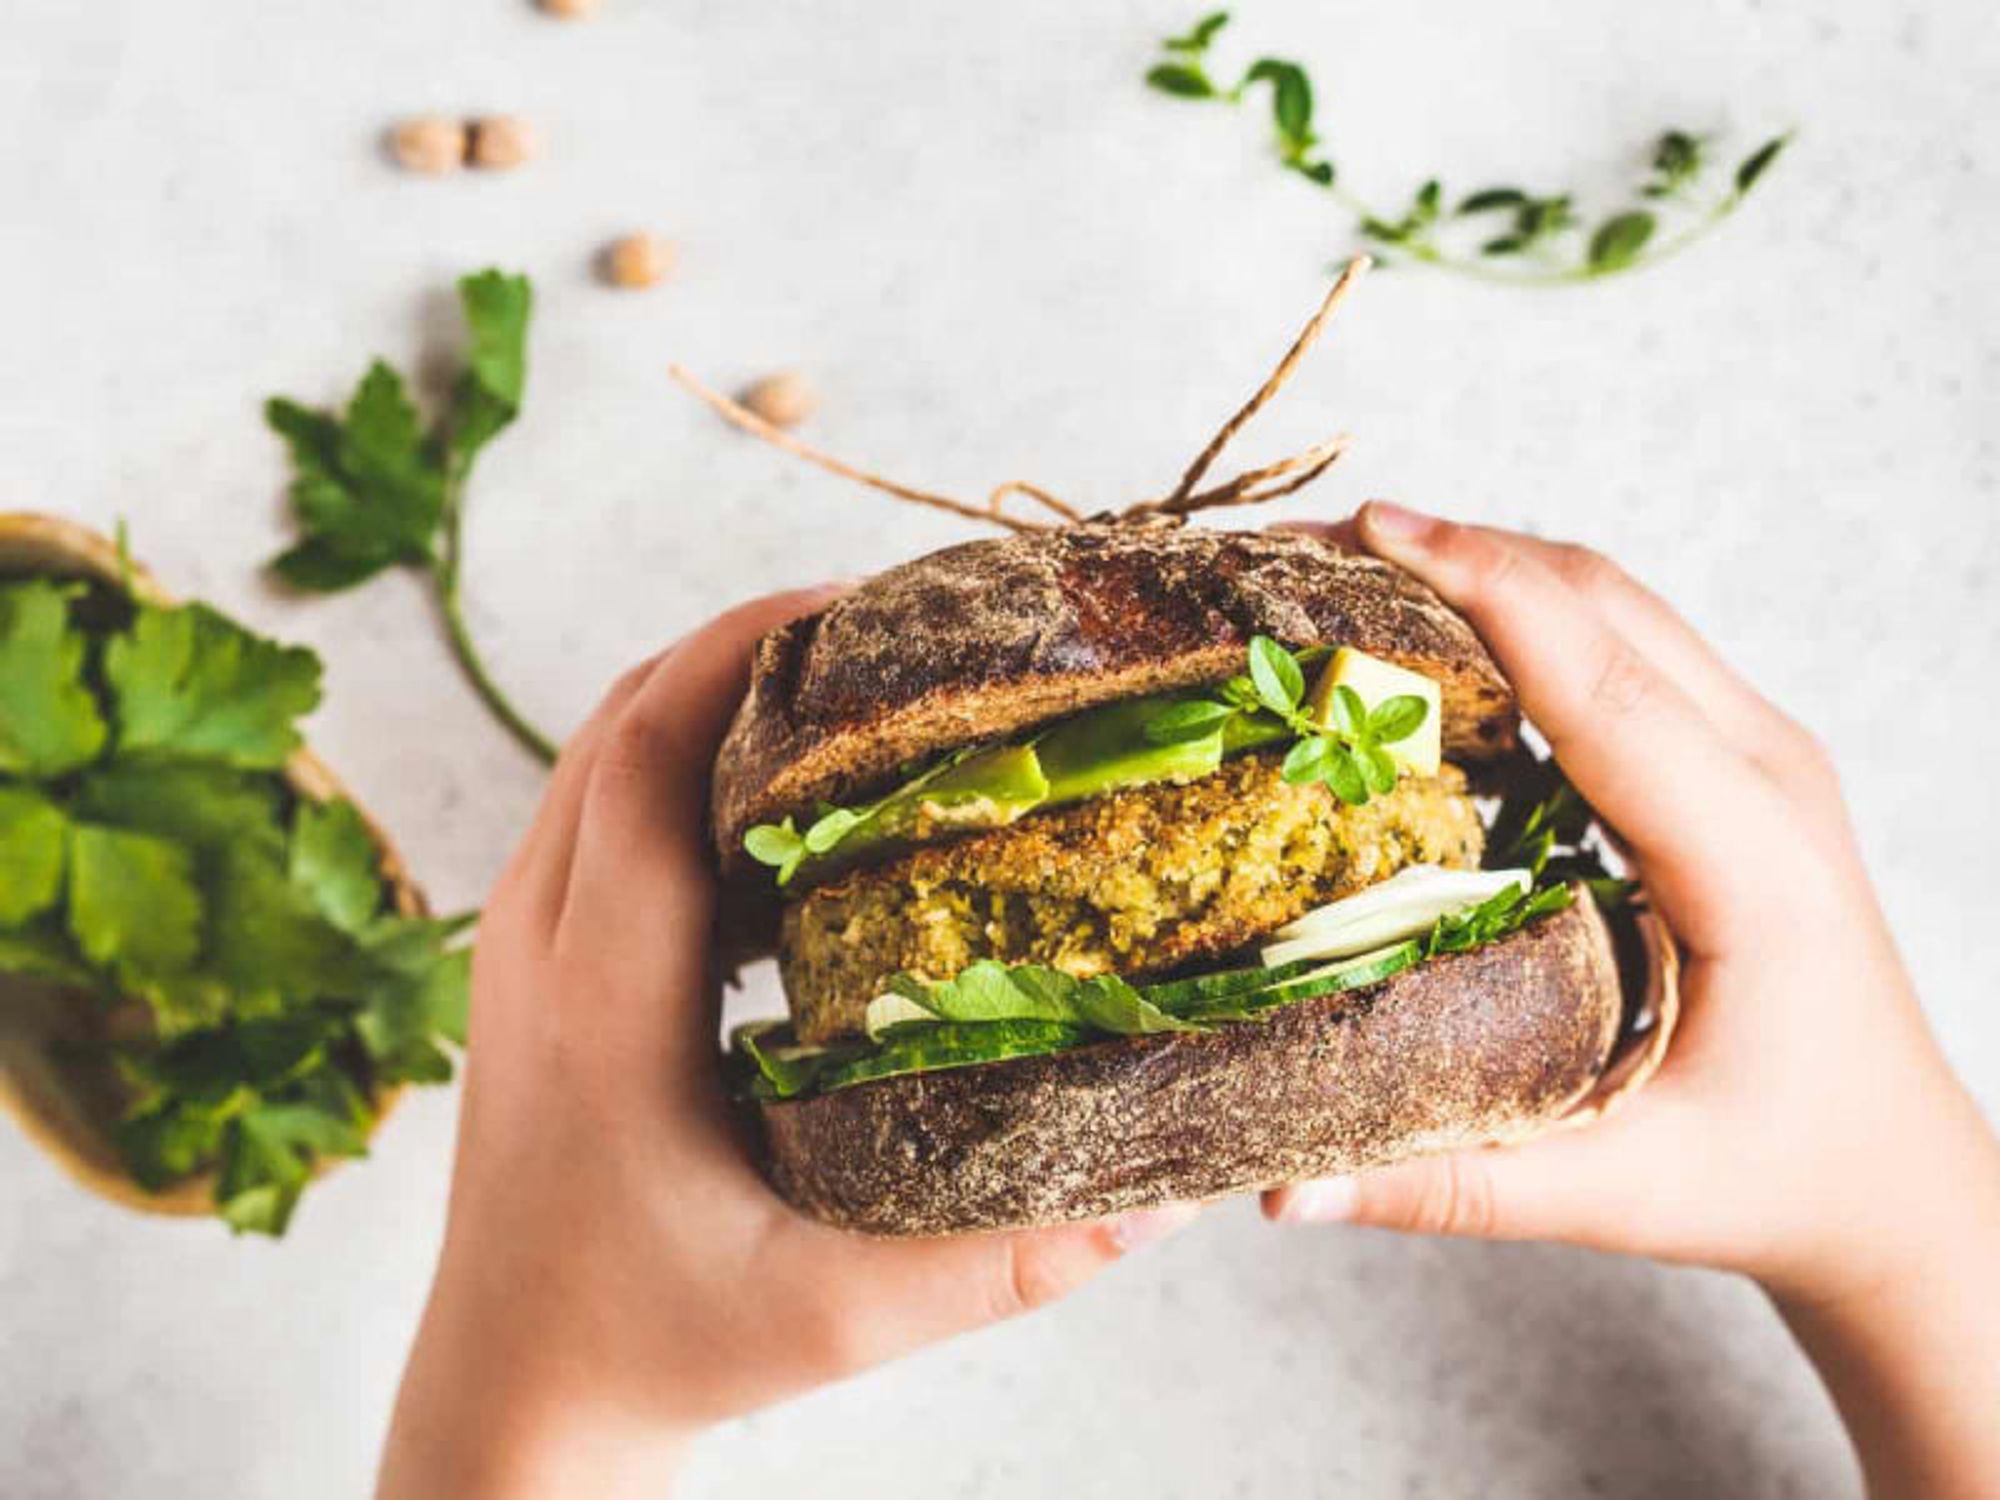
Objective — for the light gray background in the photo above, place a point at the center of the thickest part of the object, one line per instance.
(997, 255)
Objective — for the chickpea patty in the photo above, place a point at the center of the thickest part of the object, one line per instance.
(1133, 883)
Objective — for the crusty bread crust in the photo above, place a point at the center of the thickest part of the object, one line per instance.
(991, 637)
(1487, 1046)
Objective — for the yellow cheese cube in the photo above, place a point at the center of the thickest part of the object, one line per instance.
(1375, 682)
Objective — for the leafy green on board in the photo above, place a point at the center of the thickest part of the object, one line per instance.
(152, 851)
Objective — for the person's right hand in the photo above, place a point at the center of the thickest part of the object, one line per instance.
(1805, 1128)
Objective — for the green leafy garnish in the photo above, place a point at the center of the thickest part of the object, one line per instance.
(1545, 242)
(49, 723)
(373, 488)
(1346, 754)
(153, 855)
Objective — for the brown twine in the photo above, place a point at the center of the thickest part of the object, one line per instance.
(1252, 487)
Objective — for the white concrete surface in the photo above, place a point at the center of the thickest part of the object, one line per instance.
(997, 255)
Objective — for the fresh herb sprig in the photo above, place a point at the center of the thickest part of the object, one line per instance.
(1545, 826)
(1347, 753)
(372, 488)
(153, 854)
(1542, 239)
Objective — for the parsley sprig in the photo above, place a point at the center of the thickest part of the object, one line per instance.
(1347, 753)
(372, 488)
(1541, 239)
(153, 854)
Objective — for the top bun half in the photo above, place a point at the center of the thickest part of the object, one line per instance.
(987, 639)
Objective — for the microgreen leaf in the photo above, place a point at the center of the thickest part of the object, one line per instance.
(1757, 163)
(1619, 239)
(1200, 34)
(1377, 769)
(1277, 678)
(828, 829)
(1306, 761)
(1347, 713)
(1397, 718)
(1488, 199)
(1180, 80)
(1345, 777)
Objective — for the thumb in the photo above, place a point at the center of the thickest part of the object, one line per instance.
(1566, 1188)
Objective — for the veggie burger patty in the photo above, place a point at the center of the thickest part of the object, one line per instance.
(1135, 882)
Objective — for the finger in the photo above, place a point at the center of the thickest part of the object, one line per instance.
(640, 893)
(1630, 740)
(1738, 711)
(540, 866)
(951, 1286)
(1590, 1188)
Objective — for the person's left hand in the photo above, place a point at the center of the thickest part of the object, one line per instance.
(615, 1273)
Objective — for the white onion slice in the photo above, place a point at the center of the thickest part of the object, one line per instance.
(1406, 905)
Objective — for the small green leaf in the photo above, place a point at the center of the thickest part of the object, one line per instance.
(1619, 239)
(1430, 197)
(335, 858)
(773, 843)
(1758, 162)
(1348, 712)
(1279, 682)
(1202, 33)
(189, 682)
(1193, 720)
(1387, 233)
(1306, 761)
(1397, 718)
(1107, 1003)
(1181, 81)
(133, 903)
(1377, 769)
(49, 722)
(1506, 244)
(1320, 172)
(829, 829)
(1291, 99)
(1344, 776)
(33, 836)
(1488, 199)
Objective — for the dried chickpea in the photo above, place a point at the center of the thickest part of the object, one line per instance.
(783, 399)
(639, 260)
(430, 144)
(501, 141)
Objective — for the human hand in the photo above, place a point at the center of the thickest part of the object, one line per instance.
(1805, 1128)
(616, 1275)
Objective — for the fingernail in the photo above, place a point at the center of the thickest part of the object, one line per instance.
(1149, 1225)
(1397, 529)
(1327, 1201)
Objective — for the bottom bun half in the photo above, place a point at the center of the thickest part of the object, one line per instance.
(1486, 1047)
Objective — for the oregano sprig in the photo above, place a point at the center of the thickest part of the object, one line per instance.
(1543, 239)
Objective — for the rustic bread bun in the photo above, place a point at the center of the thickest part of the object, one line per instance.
(68, 1111)
(1488, 1046)
(982, 640)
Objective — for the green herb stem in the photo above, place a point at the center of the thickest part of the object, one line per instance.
(445, 570)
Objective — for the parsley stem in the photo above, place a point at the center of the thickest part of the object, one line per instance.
(445, 569)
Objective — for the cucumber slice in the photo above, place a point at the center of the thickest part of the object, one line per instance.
(1333, 979)
(951, 1044)
(1174, 995)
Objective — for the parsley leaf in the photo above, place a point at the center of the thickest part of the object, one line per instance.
(189, 682)
(334, 858)
(372, 488)
(49, 723)
(134, 906)
(33, 834)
